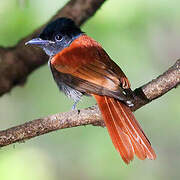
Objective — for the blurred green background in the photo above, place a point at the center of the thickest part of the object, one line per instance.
(143, 37)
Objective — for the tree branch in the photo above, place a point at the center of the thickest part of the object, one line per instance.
(16, 63)
(90, 116)
(157, 87)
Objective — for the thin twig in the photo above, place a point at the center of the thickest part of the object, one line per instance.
(90, 116)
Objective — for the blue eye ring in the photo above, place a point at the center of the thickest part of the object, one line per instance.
(58, 37)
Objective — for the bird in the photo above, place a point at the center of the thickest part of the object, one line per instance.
(80, 66)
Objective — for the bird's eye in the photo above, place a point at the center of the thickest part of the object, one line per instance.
(58, 37)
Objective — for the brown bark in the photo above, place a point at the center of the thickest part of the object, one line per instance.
(157, 87)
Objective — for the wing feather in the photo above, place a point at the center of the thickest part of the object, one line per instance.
(85, 56)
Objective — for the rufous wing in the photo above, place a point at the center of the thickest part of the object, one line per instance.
(86, 59)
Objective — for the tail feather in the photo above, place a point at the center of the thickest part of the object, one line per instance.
(136, 130)
(138, 148)
(125, 132)
(119, 138)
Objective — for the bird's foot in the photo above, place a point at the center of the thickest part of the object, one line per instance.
(74, 105)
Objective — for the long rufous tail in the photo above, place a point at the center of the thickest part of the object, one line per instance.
(125, 132)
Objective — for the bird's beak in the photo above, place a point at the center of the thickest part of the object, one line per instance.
(39, 41)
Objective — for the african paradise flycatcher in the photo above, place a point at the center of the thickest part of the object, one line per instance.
(80, 66)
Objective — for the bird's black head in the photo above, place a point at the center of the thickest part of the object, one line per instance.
(56, 36)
